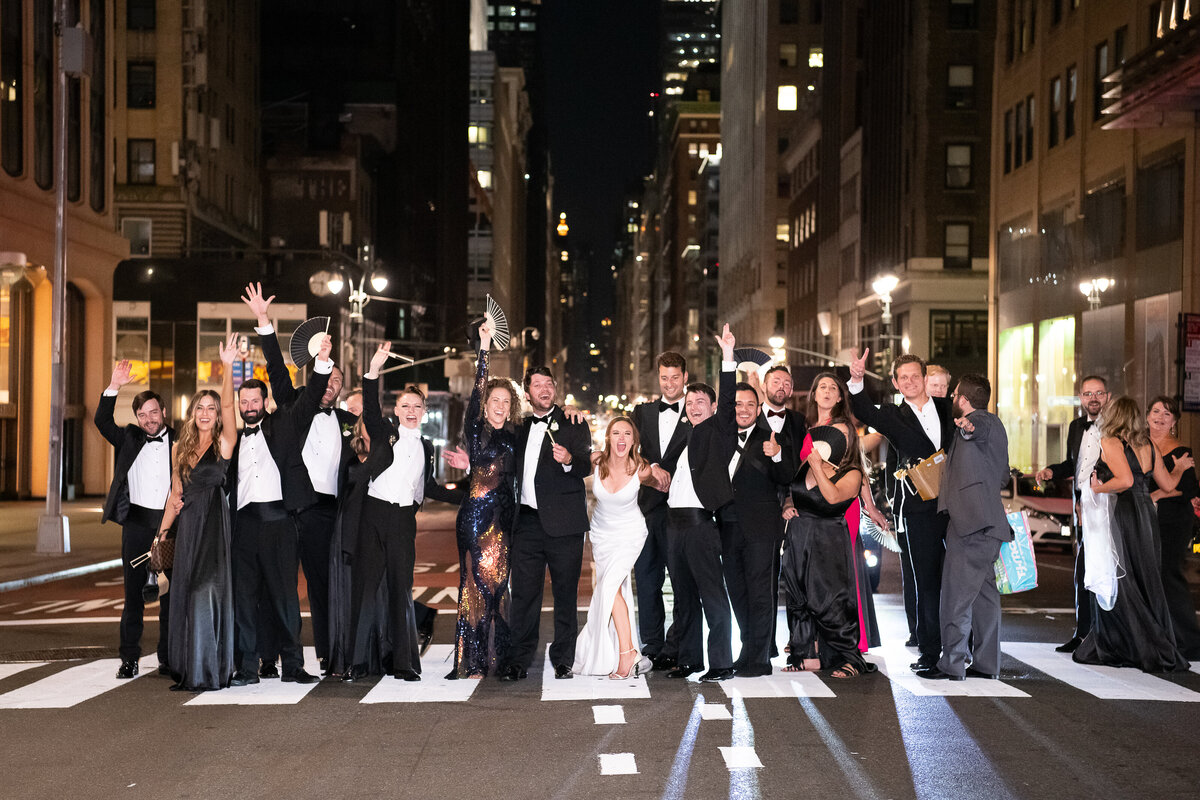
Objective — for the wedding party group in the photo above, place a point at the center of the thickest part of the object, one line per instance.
(729, 492)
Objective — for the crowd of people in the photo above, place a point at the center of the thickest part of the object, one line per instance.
(728, 491)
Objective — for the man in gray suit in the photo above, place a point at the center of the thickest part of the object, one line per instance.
(975, 472)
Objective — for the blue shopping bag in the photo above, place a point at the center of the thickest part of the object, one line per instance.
(1016, 568)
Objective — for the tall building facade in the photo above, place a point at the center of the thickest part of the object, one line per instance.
(771, 63)
(28, 94)
(1093, 163)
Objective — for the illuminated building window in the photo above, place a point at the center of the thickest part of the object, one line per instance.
(816, 57)
(691, 197)
(958, 166)
(786, 100)
(485, 178)
(782, 234)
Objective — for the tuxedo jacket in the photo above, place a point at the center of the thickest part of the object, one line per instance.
(757, 482)
(791, 435)
(383, 436)
(561, 496)
(128, 442)
(710, 445)
(665, 454)
(1066, 468)
(286, 395)
(899, 423)
(281, 431)
(976, 470)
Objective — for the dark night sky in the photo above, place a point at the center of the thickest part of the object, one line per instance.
(601, 65)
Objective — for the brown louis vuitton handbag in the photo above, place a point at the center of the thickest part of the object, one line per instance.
(925, 475)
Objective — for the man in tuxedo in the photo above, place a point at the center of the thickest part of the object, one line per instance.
(268, 484)
(325, 449)
(700, 487)
(140, 486)
(662, 428)
(788, 424)
(1093, 396)
(553, 458)
(402, 474)
(917, 427)
(752, 529)
(975, 472)
(937, 380)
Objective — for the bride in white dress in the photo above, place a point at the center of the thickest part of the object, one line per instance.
(607, 645)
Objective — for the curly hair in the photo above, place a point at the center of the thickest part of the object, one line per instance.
(189, 436)
(515, 409)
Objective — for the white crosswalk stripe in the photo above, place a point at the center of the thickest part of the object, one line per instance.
(591, 687)
(433, 686)
(1107, 683)
(264, 693)
(74, 685)
(7, 670)
(893, 660)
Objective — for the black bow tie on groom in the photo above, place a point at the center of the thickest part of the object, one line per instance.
(541, 420)
(663, 405)
(773, 413)
(325, 411)
(162, 437)
(250, 430)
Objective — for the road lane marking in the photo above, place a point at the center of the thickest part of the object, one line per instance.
(894, 659)
(608, 715)
(778, 684)
(74, 685)
(8, 670)
(433, 686)
(714, 711)
(272, 692)
(740, 757)
(591, 687)
(618, 764)
(1107, 683)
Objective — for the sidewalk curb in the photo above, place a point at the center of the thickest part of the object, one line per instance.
(73, 572)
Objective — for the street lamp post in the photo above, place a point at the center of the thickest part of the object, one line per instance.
(883, 286)
(1094, 288)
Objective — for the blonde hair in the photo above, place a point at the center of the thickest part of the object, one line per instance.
(1123, 419)
(189, 436)
(635, 456)
(936, 369)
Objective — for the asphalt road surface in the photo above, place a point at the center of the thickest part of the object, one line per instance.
(1049, 728)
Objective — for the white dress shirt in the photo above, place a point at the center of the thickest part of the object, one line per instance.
(403, 481)
(258, 475)
(667, 422)
(682, 493)
(776, 423)
(533, 451)
(323, 451)
(150, 474)
(931, 423)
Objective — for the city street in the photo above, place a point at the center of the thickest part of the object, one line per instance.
(1049, 728)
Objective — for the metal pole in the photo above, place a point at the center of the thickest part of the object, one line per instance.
(53, 528)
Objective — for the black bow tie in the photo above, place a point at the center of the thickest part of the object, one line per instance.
(773, 413)
(541, 420)
(162, 437)
(325, 411)
(250, 430)
(1088, 423)
(743, 436)
(663, 405)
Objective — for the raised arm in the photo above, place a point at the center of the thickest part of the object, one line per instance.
(726, 395)
(473, 419)
(309, 401)
(372, 414)
(228, 352)
(277, 373)
(108, 403)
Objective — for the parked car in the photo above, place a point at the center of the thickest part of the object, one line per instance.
(1048, 508)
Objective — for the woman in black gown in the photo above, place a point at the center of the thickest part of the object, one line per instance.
(200, 639)
(1175, 522)
(818, 562)
(1137, 631)
(485, 521)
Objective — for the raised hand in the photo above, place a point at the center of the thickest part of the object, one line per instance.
(258, 305)
(485, 335)
(325, 349)
(121, 375)
(814, 459)
(574, 415)
(1043, 475)
(229, 349)
(771, 448)
(379, 358)
(457, 458)
(858, 367)
(965, 425)
(727, 342)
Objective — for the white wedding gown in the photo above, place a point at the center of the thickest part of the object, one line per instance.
(618, 532)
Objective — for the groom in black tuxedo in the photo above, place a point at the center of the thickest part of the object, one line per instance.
(663, 430)
(140, 486)
(917, 427)
(553, 458)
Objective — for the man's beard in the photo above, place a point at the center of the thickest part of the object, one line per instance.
(157, 429)
(958, 412)
(252, 416)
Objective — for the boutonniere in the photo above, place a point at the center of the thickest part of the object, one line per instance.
(347, 429)
(552, 429)
(393, 439)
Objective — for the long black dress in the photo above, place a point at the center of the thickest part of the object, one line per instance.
(1137, 632)
(485, 522)
(201, 632)
(1175, 520)
(819, 579)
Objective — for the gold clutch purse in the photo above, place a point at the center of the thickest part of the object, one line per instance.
(925, 476)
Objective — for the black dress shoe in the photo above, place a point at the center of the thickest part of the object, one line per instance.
(298, 676)
(241, 678)
(128, 669)
(714, 675)
(663, 662)
(911, 641)
(512, 672)
(267, 669)
(924, 662)
(1069, 646)
(353, 674)
(935, 674)
(978, 673)
(406, 675)
(323, 665)
(562, 672)
(684, 670)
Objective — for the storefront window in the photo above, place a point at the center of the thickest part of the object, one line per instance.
(132, 342)
(1155, 343)
(1055, 379)
(1014, 393)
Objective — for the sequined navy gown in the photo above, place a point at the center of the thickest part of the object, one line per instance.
(485, 522)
